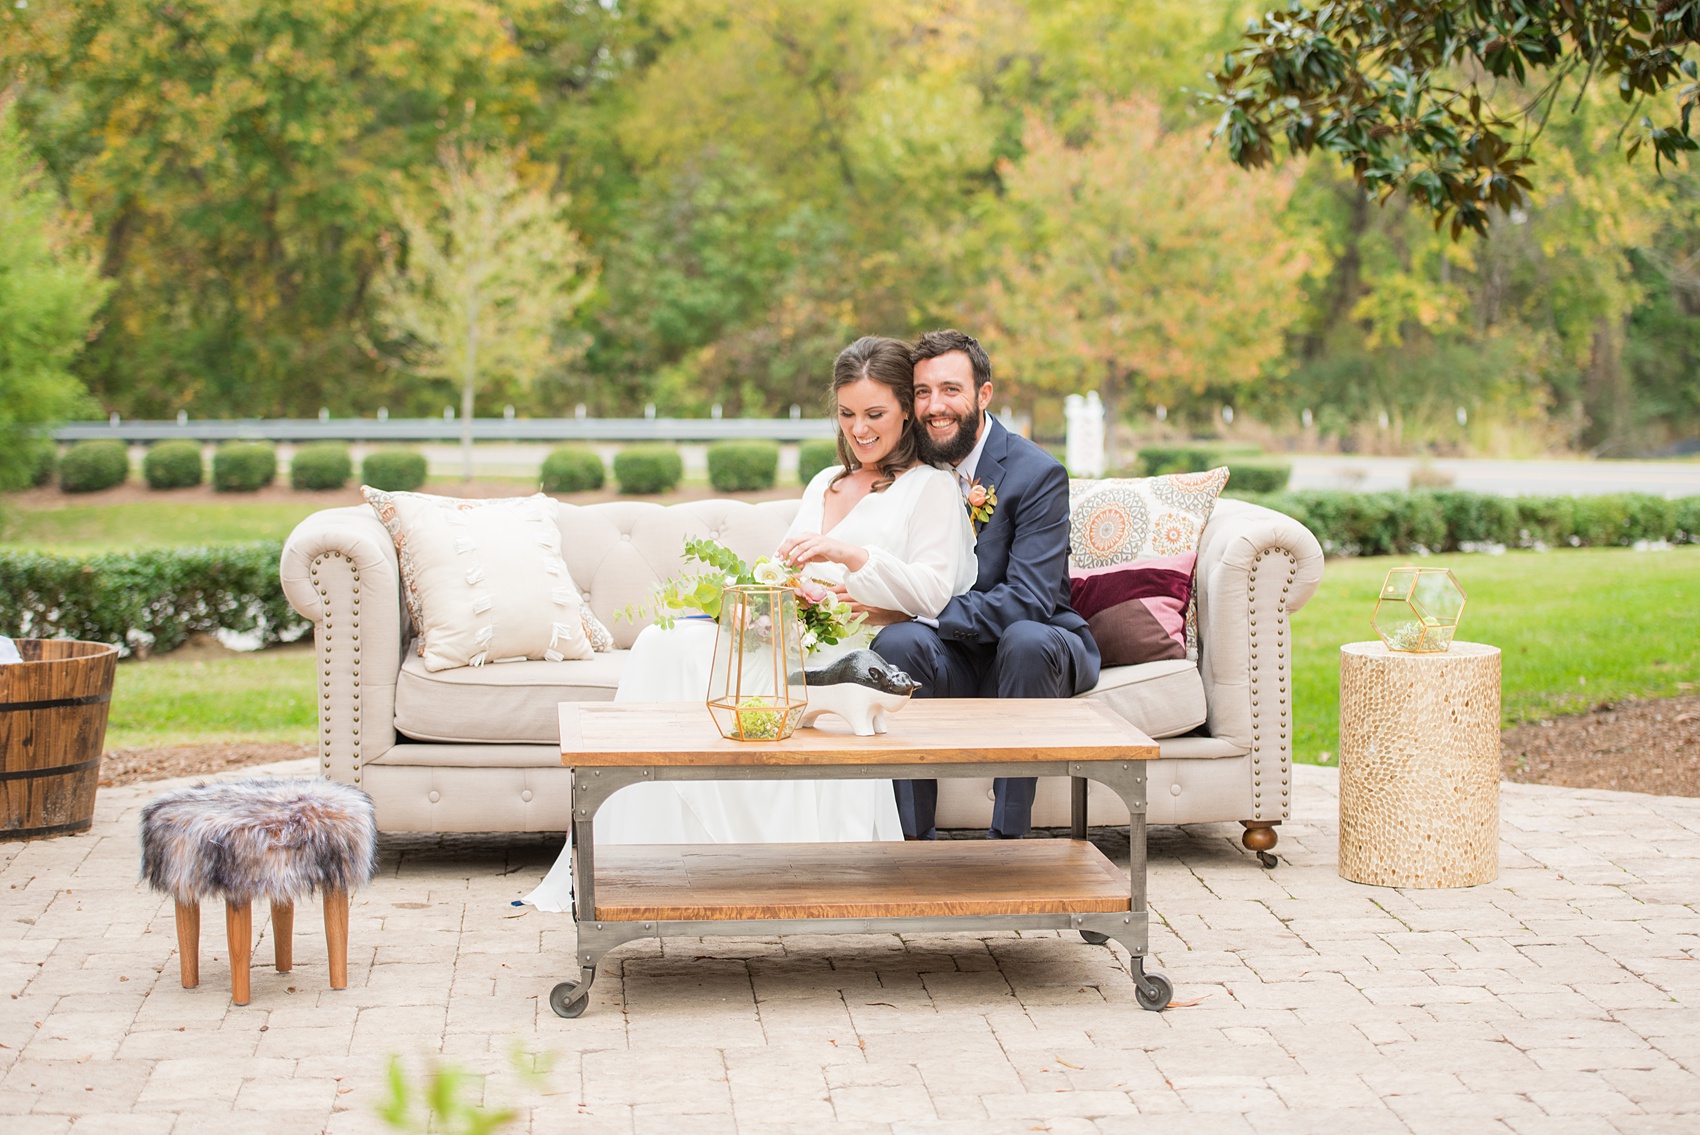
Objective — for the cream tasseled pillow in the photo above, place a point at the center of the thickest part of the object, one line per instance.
(483, 579)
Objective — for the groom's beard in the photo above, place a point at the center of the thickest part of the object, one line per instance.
(959, 446)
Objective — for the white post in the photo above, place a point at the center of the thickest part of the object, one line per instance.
(1083, 452)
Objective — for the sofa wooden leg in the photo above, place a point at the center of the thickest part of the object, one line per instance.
(336, 936)
(189, 943)
(283, 935)
(239, 936)
(1260, 836)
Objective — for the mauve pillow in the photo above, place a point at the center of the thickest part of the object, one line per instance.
(1136, 611)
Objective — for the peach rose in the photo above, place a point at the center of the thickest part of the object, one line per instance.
(977, 496)
(811, 591)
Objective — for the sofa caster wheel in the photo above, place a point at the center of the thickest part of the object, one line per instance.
(570, 998)
(1269, 861)
(1153, 991)
(1094, 938)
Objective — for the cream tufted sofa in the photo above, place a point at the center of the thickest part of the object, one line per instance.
(477, 749)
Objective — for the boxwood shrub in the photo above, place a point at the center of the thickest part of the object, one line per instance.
(173, 465)
(1258, 476)
(742, 466)
(243, 466)
(648, 468)
(90, 466)
(323, 465)
(393, 470)
(814, 455)
(1157, 460)
(153, 599)
(573, 469)
(43, 461)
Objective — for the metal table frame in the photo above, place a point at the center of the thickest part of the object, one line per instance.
(592, 786)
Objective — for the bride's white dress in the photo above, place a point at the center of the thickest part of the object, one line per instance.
(920, 553)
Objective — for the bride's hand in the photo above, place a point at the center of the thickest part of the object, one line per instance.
(813, 548)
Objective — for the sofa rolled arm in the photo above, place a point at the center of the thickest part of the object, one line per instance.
(339, 571)
(1256, 567)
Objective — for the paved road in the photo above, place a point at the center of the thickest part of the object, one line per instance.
(1508, 478)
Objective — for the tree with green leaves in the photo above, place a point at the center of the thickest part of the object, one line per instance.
(49, 292)
(1444, 100)
(484, 280)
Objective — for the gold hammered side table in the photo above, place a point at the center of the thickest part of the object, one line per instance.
(1419, 765)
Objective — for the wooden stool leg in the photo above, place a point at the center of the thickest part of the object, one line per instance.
(283, 933)
(336, 936)
(239, 932)
(189, 943)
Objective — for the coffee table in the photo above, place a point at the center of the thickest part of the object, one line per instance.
(626, 892)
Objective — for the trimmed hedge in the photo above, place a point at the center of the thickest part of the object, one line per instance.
(243, 466)
(153, 599)
(814, 455)
(648, 468)
(90, 466)
(393, 470)
(173, 465)
(1259, 476)
(1448, 520)
(322, 465)
(1158, 460)
(44, 461)
(742, 466)
(573, 469)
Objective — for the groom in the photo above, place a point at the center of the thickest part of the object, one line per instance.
(1014, 635)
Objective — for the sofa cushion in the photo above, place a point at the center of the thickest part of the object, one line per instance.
(1161, 699)
(512, 703)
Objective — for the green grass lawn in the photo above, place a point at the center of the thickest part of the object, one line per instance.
(1577, 627)
(204, 695)
(86, 528)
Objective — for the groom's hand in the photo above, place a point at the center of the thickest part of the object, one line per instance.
(875, 616)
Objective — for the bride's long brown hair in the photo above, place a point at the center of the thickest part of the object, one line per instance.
(887, 362)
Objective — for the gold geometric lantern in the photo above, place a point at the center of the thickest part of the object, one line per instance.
(756, 690)
(1418, 610)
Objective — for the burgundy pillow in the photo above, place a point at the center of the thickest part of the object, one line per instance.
(1136, 611)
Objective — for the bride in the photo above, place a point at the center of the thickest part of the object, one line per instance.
(888, 531)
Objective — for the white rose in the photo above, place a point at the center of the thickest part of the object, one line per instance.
(809, 640)
(769, 573)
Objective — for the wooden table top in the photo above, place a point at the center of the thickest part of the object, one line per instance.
(925, 878)
(926, 731)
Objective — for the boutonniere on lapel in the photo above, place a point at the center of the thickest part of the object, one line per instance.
(982, 501)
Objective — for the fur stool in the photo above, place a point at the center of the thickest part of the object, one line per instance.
(271, 839)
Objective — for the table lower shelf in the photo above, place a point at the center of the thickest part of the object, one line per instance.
(918, 879)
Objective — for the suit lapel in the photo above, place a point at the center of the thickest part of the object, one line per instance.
(989, 471)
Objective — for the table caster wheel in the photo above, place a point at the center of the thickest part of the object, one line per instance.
(570, 998)
(1094, 938)
(1153, 991)
(1268, 860)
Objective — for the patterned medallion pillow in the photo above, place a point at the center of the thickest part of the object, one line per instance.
(483, 579)
(1133, 551)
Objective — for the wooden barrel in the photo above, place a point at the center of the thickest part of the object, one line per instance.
(52, 727)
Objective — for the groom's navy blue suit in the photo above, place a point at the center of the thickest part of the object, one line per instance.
(1014, 635)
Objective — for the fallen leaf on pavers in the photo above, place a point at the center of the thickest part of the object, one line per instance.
(1066, 1064)
(1187, 1004)
(887, 1004)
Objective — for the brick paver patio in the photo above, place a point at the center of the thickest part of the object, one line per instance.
(1562, 998)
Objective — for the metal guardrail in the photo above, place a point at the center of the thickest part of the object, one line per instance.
(448, 429)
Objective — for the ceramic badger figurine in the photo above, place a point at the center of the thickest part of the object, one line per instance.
(861, 687)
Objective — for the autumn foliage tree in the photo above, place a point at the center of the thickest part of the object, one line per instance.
(1139, 265)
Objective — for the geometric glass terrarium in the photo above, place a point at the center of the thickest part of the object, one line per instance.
(755, 689)
(1418, 609)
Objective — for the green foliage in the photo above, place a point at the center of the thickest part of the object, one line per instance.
(813, 456)
(173, 465)
(49, 292)
(1160, 460)
(90, 466)
(447, 1098)
(42, 461)
(742, 466)
(1431, 98)
(648, 468)
(573, 469)
(1259, 476)
(393, 470)
(243, 466)
(157, 597)
(325, 465)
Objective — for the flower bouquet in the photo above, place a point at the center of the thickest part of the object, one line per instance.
(827, 619)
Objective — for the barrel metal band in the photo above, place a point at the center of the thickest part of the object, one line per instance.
(55, 703)
(51, 829)
(55, 770)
